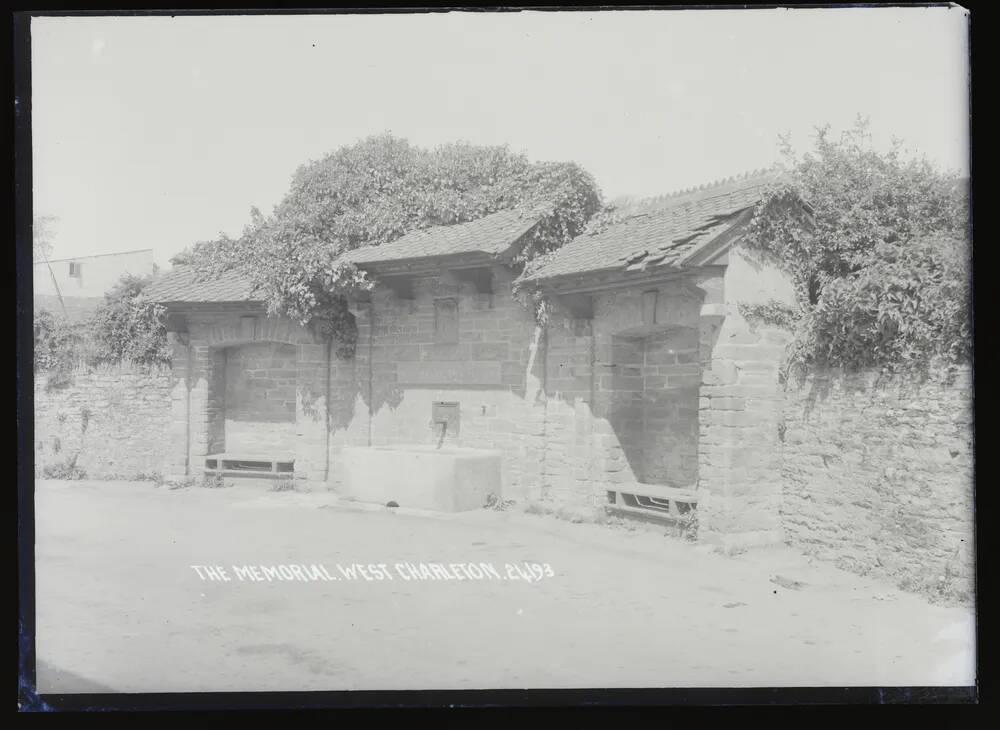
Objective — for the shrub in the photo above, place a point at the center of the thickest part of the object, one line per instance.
(127, 327)
(185, 483)
(687, 524)
(909, 306)
(877, 247)
(497, 503)
(59, 347)
(284, 484)
(154, 476)
(213, 481)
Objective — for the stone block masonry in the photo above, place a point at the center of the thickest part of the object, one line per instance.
(407, 361)
(878, 476)
(115, 420)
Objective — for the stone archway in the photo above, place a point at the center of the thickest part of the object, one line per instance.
(254, 383)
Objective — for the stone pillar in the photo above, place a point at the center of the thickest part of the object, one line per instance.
(312, 374)
(364, 319)
(216, 406)
(205, 409)
(176, 467)
(571, 450)
(739, 409)
(532, 427)
(349, 395)
(342, 406)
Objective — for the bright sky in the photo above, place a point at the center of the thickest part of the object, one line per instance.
(158, 132)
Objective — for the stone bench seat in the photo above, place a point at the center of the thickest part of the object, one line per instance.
(250, 465)
(649, 499)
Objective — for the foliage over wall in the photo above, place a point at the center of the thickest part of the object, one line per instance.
(877, 245)
(125, 328)
(59, 347)
(373, 192)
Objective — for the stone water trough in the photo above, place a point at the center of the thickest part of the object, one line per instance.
(445, 479)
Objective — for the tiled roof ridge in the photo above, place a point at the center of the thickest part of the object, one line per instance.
(719, 187)
(660, 232)
(523, 211)
(186, 282)
(492, 233)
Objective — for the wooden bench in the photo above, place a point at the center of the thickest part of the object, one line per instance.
(246, 465)
(651, 499)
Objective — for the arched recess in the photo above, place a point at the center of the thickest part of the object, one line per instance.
(653, 403)
(264, 376)
(236, 331)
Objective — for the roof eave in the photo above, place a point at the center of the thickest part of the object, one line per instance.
(603, 279)
(432, 264)
(178, 305)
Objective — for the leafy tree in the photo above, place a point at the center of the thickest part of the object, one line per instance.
(372, 193)
(126, 327)
(129, 327)
(877, 246)
(42, 235)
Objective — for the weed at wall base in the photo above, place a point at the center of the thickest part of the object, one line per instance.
(64, 470)
(213, 481)
(284, 484)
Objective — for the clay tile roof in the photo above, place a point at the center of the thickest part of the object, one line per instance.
(184, 285)
(658, 232)
(492, 234)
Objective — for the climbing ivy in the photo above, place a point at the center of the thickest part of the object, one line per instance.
(770, 313)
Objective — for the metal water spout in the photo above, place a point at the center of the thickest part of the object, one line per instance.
(445, 415)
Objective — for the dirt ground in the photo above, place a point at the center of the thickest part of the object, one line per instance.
(120, 609)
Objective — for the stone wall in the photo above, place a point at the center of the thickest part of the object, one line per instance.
(114, 420)
(877, 476)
